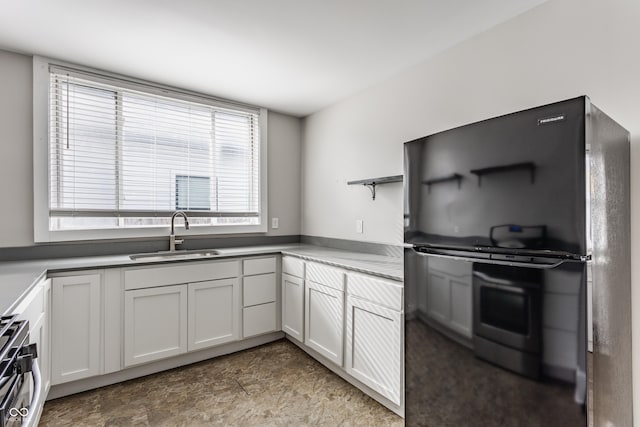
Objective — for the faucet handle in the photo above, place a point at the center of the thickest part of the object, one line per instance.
(173, 242)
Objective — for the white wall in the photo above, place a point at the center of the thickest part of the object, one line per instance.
(284, 173)
(16, 150)
(561, 49)
(16, 158)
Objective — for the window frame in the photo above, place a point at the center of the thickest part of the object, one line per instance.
(41, 163)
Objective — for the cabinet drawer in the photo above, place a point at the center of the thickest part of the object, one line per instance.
(381, 291)
(293, 266)
(148, 277)
(259, 319)
(258, 266)
(325, 275)
(259, 289)
(451, 267)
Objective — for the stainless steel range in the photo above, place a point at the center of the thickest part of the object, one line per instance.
(507, 317)
(19, 373)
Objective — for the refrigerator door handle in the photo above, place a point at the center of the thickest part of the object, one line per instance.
(505, 288)
(554, 264)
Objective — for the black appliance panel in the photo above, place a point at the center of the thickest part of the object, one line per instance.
(504, 376)
(512, 182)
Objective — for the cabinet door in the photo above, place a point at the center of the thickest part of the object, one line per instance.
(438, 297)
(75, 328)
(293, 306)
(374, 347)
(324, 320)
(155, 323)
(214, 313)
(461, 310)
(449, 294)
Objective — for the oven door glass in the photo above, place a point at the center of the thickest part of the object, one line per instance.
(504, 309)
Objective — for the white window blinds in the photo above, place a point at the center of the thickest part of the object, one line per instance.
(126, 155)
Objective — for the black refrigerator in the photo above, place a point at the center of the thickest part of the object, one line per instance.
(517, 271)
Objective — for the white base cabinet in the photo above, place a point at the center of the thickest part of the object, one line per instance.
(449, 294)
(293, 306)
(324, 320)
(374, 347)
(120, 318)
(259, 319)
(213, 313)
(75, 328)
(259, 297)
(155, 321)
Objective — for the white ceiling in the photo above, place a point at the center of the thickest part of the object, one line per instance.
(293, 56)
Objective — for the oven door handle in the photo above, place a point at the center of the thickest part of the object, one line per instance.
(492, 261)
(37, 393)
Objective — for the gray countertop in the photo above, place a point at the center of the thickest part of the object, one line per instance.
(17, 277)
(379, 265)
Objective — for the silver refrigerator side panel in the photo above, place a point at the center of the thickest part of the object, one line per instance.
(609, 207)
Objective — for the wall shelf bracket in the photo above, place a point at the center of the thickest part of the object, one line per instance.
(371, 183)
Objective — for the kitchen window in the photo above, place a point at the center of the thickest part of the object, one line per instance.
(123, 155)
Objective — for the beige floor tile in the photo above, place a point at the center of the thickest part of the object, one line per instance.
(272, 385)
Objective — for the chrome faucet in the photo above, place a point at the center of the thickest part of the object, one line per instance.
(172, 238)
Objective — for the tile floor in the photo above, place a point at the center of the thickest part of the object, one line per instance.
(272, 385)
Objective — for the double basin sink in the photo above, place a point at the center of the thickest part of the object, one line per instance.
(175, 255)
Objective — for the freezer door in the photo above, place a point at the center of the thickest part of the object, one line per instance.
(516, 181)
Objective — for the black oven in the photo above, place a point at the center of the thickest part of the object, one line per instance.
(17, 364)
(507, 317)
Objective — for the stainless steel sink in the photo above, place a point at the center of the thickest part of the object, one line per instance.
(168, 255)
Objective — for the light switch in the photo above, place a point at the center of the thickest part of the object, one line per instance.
(359, 226)
(275, 223)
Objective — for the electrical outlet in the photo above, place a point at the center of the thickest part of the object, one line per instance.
(275, 223)
(359, 225)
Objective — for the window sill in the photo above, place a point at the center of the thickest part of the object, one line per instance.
(110, 234)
